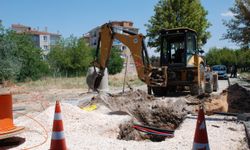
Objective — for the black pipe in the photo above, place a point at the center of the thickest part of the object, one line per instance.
(154, 128)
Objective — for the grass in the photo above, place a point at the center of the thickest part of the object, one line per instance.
(76, 82)
(61, 83)
(117, 81)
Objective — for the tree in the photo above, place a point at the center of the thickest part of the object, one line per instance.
(19, 57)
(212, 57)
(228, 57)
(224, 56)
(115, 63)
(31, 57)
(9, 63)
(238, 28)
(81, 56)
(243, 59)
(57, 57)
(178, 13)
(70, 56)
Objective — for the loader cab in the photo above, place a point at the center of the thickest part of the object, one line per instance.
(177, 46)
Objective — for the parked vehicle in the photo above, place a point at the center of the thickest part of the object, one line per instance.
(221, 70)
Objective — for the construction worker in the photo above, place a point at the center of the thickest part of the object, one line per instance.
(233, 71)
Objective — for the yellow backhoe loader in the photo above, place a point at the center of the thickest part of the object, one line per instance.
(181, 66)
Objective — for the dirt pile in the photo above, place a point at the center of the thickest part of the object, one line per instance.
(238, 99)
(165, 113)
(235, 99)
(127, 132)
(212, 103)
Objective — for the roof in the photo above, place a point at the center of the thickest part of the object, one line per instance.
(32, 31)
(19, 26)
(178, 30)
(35, 32)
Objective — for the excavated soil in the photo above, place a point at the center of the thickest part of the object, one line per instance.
(212, 103)
(167, 113)
(238, 99)
(234, 99)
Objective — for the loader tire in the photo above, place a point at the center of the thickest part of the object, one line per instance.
(159, 91)
(199, 88)
(149, 90)
(194, 89)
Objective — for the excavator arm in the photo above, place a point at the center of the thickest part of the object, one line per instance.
(135, 42)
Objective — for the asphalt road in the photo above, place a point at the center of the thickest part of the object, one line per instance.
(223, 84)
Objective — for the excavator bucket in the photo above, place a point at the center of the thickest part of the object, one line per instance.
(97, 80)
(91, 78)
(97, 83)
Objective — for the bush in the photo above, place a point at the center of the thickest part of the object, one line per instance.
(229, 57)
(70, 57)
(9, 62)
(115, 64)
(20, 58)
(33, 66)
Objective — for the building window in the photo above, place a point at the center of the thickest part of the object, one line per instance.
(45, 38)
(45, 47)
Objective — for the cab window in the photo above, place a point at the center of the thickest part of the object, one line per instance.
(191, 44)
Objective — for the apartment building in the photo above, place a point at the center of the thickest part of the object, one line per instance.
(42, 39)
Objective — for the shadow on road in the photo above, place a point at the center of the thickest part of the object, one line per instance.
(11, 142)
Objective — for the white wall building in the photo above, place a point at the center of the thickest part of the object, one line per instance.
(42, 39)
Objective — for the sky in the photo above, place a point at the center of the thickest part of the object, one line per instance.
(79, 16)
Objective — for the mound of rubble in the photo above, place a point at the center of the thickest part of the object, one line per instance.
(234, 99)
(238, 99)
(167, 113)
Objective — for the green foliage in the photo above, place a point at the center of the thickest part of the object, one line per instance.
(223, 56)
(115, 64)
(229, 57)
(9, 63)
(31, 58)
(178, 13)
(243, 59)
(70, 57)
(238, 28)
(20, 59)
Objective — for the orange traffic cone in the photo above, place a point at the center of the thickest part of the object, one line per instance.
(200, 136)
(58, 140)
(7, 127)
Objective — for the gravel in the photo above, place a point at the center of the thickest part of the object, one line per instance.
(99, 130)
